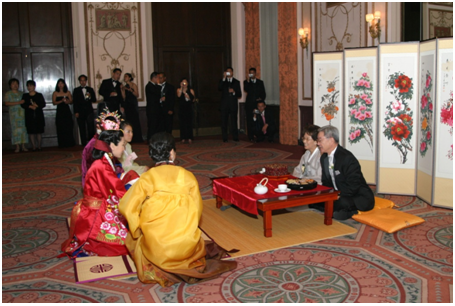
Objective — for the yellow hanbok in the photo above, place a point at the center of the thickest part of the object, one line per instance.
(163, 209)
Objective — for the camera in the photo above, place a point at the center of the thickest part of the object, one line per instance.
(257, 112)
(250, 75)
(228, 73)
(184, 84)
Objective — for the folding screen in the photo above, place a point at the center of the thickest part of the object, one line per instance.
(443, 172)
(360, 85)
(425, 128)
(398, 91)
(328, 90)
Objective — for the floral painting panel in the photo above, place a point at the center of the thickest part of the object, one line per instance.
(444, 113)
(361, 104)
(399, 75)
(328, 93)
(426, 112)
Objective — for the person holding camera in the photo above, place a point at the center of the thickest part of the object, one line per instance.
(230, 95)
(83, 97)
(255, 92)
(63, 118)
(185, 96)
(264, 124)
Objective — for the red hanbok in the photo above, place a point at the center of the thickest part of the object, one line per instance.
(97, 227)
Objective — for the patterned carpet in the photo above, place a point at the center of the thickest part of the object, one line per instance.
(39, 189)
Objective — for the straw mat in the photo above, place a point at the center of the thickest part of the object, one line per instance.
(233, 229)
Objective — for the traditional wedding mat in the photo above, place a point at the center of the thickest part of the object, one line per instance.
(93, 268)
(232, 229)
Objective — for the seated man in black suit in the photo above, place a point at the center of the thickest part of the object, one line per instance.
(264, 124)
(341, 170)
(111, 91)
(255, 90)
(83, 97)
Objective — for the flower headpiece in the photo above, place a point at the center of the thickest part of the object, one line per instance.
(106, 114)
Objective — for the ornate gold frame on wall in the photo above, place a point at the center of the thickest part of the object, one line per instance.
(113, 23)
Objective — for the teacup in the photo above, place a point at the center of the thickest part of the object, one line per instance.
(282, 187)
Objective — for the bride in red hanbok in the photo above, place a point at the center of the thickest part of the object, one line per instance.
(97, 227)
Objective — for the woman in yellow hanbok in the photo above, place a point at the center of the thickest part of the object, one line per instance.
(163, 209)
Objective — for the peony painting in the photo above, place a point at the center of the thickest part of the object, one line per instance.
(447, 119)
(398, 116)
(426, 115)
(361, 112)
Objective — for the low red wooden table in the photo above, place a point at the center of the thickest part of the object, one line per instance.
(239, 191)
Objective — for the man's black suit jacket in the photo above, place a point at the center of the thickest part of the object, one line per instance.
(255, 91)
(229, 101)
(268, 119)
(169, 93)
(348, 178)
(152, 96)
(81, 106)
(106, 88)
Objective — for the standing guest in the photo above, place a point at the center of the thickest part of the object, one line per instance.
(341, 170)
(230, 95)
(83, 97)
(13, 99)
(97, 227)
(128, 155)
(111, 91)
(185, 96)
(153, 108)
(264, 124)
(64, 118)
(167, 104)
(255, 90)
(310, 164)
(163, 210)
(105, 122)
(130, 94)
(34, 116)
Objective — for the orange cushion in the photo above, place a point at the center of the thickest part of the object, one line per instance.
(387, 219)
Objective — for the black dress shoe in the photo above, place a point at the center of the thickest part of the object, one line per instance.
(236, 140)
(224, 140)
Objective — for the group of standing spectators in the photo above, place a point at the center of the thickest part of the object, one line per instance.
(26, 110)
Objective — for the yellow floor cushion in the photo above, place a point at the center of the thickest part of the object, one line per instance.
(387, 219)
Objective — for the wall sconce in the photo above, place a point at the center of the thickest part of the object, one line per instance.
(375, 25)
(304, 39)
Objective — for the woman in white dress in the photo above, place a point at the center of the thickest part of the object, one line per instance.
(310, 165)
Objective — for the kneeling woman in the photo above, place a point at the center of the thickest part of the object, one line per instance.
(163, 209)
(97, 227)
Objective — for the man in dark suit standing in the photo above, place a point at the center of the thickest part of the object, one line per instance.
(153, 108)
(167, 103)
(255, 92)
(263, 123)
(83, 97)
(341, 170)
(110, 89)
(230, 94)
